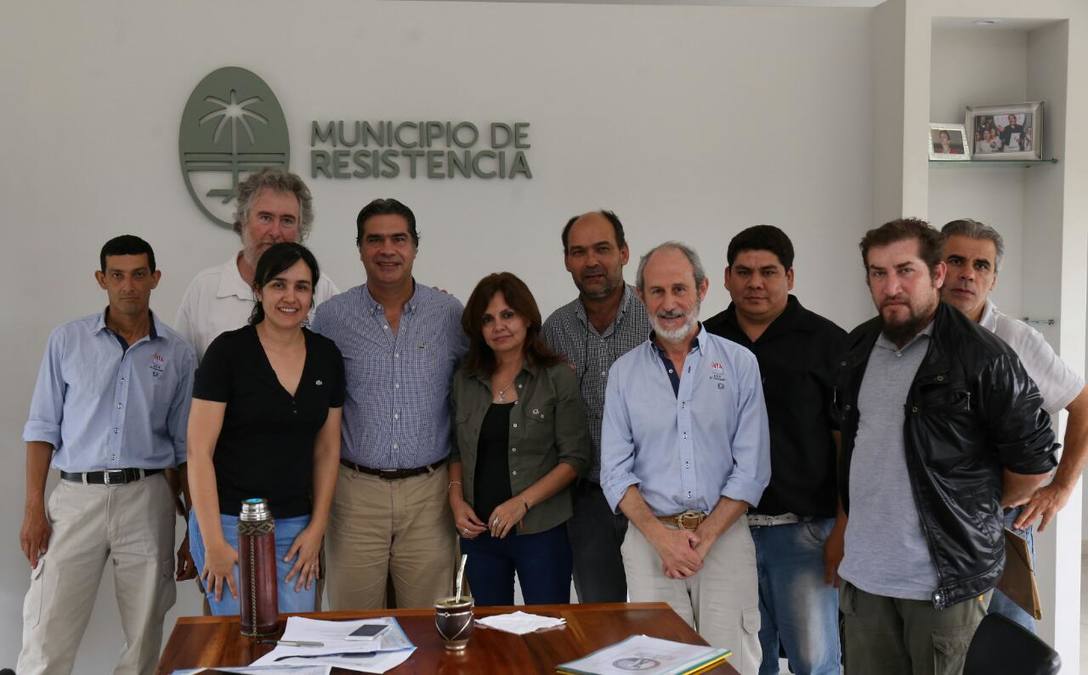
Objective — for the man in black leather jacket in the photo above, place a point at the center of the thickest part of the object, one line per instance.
(941, 428)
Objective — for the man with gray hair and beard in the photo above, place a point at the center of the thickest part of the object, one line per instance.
(273, 206)
(685, 451)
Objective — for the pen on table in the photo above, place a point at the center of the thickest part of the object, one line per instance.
(292, 643)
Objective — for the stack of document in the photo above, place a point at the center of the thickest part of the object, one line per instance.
(257, 670)
(520, 623)
(383, 653)
(647, 656)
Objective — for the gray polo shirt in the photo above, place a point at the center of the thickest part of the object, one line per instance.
(886, 551)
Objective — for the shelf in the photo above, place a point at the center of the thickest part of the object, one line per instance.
(1025, 163)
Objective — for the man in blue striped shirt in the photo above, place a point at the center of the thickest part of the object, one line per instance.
(401, 343)
(110, 410)
(685, 451)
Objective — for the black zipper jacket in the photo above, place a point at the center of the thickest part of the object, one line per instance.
(971, 411)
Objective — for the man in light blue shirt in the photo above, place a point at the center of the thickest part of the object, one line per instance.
(109, 411)
(685, 450)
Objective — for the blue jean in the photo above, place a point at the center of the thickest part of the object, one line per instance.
(1000, 603)
(541, 560)
(286, 531)
(799, 610)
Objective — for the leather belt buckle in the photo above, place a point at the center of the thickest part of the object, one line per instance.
(690, 520)
(107, 480)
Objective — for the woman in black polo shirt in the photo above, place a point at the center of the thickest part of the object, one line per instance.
(265, 422)
(522, 439)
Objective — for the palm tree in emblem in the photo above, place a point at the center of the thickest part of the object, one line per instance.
(232, 114)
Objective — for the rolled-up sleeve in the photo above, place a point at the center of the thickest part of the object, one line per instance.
(1018, 426)
(617, 442)
(47, 404)
(751, 443)
(571, 429)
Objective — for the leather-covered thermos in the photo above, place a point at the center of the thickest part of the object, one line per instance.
(257, 566)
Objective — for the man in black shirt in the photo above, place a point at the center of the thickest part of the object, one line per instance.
(796, 516)
(1011, 133)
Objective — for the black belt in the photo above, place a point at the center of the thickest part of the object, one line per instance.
(113, 477)
(393, 474)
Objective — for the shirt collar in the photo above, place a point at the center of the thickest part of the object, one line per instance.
(883, 342)
(373, 306)
(527, 368)
(625, 304)
(231, 282)
(152, 330)
(988, 320)
(785, 321)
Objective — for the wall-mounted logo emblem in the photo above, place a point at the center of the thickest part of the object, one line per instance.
(232, 126)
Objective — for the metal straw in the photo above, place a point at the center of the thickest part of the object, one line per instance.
(460, 576)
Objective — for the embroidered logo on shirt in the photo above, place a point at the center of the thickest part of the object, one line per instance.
(158, 365)
(717, 372)
(318, 382)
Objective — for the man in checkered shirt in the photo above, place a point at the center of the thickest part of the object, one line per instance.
(604, 322)
(401, 343)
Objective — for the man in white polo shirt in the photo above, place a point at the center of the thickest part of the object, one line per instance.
(273, 206)
(973, 253)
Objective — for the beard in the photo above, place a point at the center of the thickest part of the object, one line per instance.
(903, 332)
(605, 289)
(676, 334)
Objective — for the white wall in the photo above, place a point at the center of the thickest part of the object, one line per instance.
(975, 66)
(1053, 208)
(691, 122)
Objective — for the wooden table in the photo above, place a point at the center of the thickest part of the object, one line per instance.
(216, 641)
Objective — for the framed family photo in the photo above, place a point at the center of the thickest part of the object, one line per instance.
(948, 142)
(1012, 131)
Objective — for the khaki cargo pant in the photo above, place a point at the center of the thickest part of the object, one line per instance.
(891, 636)
(130, 525)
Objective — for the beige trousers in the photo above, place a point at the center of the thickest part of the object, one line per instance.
(132, 526)
(401, 529)
(720, 601)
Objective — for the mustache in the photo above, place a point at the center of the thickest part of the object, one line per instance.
(671, 314)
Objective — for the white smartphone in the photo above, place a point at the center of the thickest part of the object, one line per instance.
(368, 631)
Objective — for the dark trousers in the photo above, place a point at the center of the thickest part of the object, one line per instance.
(541, 560)
(891, 636)
(596, 534)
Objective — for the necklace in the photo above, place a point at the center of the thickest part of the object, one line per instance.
(501, 394)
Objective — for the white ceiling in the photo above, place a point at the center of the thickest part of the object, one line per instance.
(724, 3)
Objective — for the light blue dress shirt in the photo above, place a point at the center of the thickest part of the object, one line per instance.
(104, 407)
(687, 449)
(397, 409)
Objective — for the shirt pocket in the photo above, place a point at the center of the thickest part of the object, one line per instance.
(539, 432)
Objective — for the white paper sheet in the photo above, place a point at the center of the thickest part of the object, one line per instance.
(369, 656)
(259, 670)
(520, 623)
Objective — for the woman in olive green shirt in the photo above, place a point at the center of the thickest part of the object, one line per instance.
(522, 439)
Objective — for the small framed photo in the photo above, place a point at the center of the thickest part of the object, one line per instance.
(1012, 131)
(948, 142)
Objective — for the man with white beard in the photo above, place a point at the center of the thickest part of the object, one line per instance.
(685, 451)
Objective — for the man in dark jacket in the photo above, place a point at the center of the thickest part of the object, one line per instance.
(941, 428)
